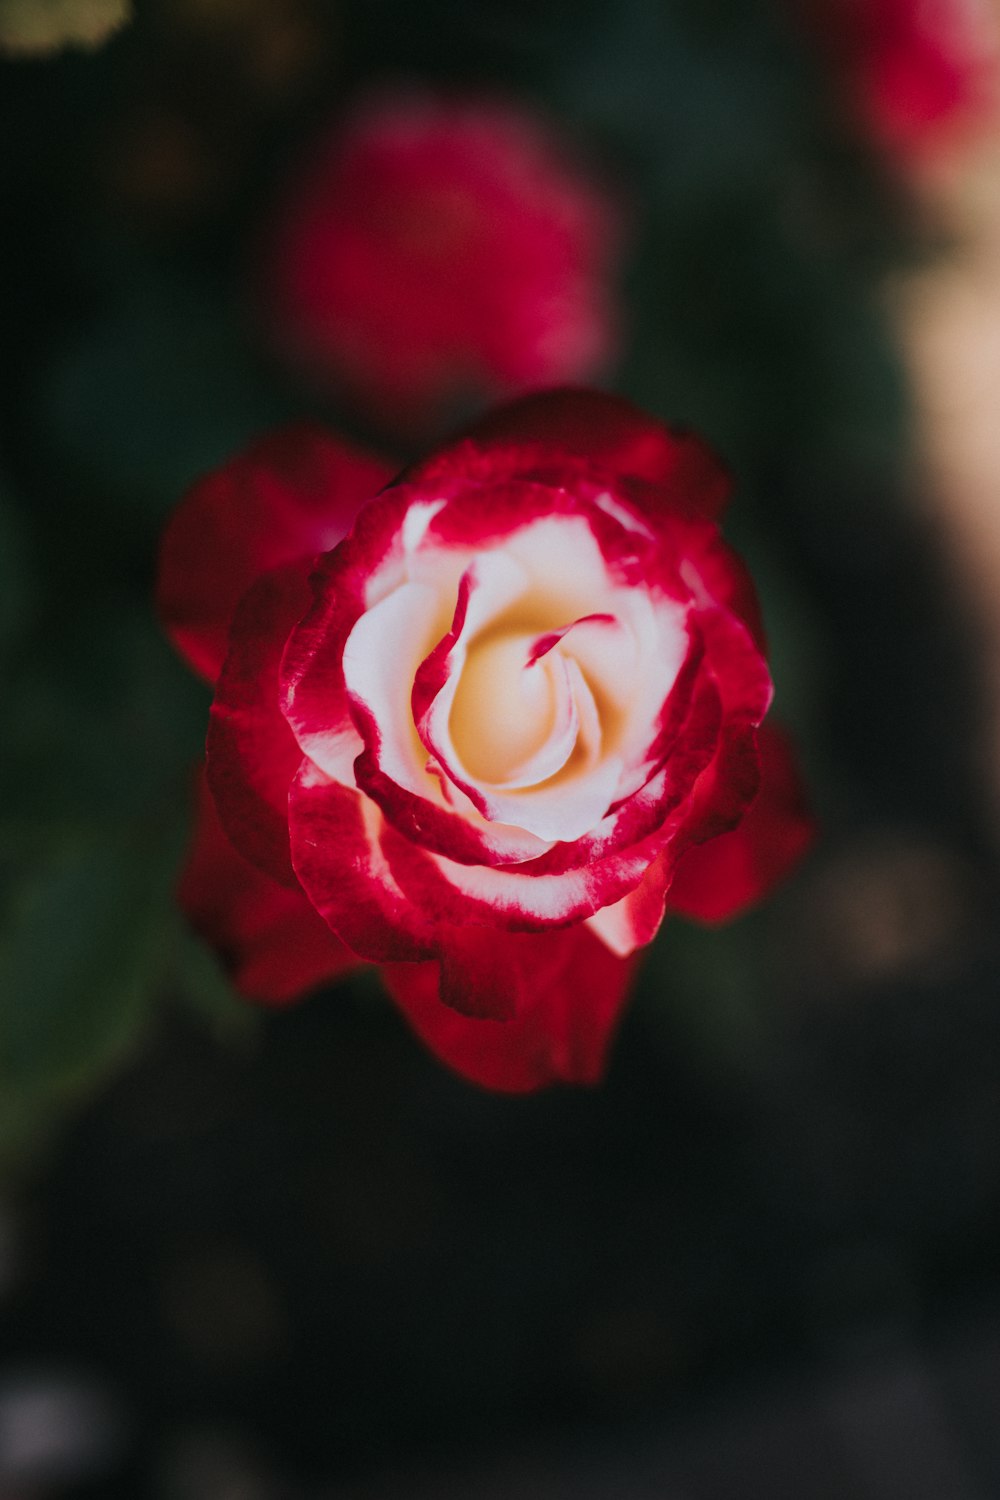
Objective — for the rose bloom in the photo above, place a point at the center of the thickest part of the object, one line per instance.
(481, 724)
(435, 249)
(917, 69)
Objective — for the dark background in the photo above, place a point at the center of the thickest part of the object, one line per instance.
(246, 1256)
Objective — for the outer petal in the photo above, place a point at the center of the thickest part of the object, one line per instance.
(634, 921)
(337, 839)
(272, 941)
(252, 754)
(726, 788)
(725, 578)
(619, 438)
(294, 494)
(570, 989)
(720, 878)
(447, 892)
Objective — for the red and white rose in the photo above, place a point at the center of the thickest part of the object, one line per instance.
(482, 727)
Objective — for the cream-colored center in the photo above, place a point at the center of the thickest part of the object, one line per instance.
(505, 711)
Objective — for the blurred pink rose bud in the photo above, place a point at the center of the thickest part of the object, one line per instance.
(435, 251)
(919, 72)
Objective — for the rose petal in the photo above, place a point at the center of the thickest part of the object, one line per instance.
(251, 752)
(688, 744)
(383, 675)
(294, 494)
(718, 879)
(490, 704)
(617, 437)
(568, 569)
(386, 655)
(313, 694)
(727, 786)
(337, 837)
(573, 881)
(570, 990)
(635, 920)
(723, 576)
(445, 891)
(274, 944)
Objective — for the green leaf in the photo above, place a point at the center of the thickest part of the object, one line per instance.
(104, 722)
(83, 943)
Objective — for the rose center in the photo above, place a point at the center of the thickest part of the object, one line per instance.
(505, 710)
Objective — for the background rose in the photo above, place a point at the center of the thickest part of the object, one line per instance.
(435, 248)
(915, 72)
(479, 736)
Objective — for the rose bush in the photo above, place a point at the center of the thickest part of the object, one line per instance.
(481, 724)
(437, 248)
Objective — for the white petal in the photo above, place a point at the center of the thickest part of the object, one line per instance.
(381, 657)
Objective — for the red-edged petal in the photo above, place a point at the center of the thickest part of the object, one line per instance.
(293, 494)
(619, 438)
(687, 743)
(634, 921)
(313, 693)
(725, 578)
(382, 656)
(337, 837)
(569, 992)
(446, 892)
(275, 946)
(727, 786)
(572, 881)
(718, 879)
(251, 752)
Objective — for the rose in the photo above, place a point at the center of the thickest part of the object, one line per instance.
(916, 71)
(434, 247)
(481, 728)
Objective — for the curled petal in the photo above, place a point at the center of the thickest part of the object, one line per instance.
(634, 921)
(445, 891)
(272, 941)
(569, 991)
(294, 494)
(382, 657)
(721, 878)
(658, 806)
(504, 716)
(464, 836)
(313, 693)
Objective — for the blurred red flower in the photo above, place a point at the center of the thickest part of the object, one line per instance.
(436, 250)
(482, 725)
(917, 70)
